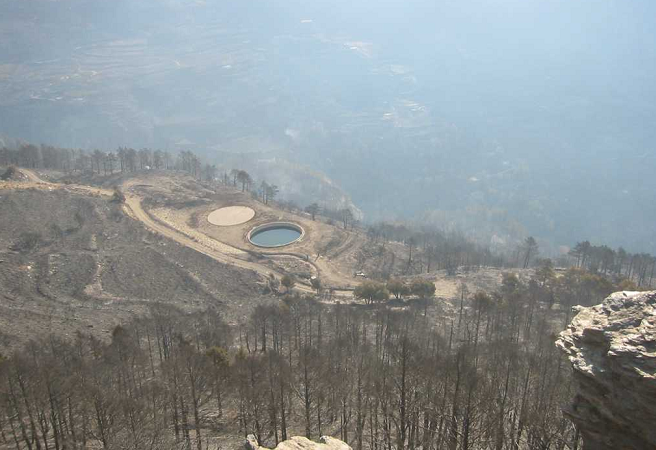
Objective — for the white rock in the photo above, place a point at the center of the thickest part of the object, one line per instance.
(300, 443)
(612, 348)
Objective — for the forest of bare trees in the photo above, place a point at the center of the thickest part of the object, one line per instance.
(486, 377)
(124, 159)
(640, 267)
(430, 249)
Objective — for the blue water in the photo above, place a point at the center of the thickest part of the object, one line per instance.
(275, 237)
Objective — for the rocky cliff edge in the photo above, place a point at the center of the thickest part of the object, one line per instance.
(612, 348)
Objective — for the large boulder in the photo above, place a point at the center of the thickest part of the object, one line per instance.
(300, 443)
(612, 348)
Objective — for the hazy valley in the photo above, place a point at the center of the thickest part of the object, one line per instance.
(339, 225)
(451, 135)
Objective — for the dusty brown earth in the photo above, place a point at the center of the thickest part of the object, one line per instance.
(89, 266)
(181, 207)
(326, 250)
(177, 206)
(97, 262)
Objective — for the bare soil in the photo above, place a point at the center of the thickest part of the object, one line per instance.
(71, 259)
(93, 267)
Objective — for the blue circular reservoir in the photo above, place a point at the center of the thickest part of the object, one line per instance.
(275, 234)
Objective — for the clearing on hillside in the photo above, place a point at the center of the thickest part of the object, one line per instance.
(231, 215)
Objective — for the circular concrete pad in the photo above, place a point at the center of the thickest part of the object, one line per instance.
(231, 215)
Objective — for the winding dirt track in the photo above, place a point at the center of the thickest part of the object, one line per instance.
(133, 208)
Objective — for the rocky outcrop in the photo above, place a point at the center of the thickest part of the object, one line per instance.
(612, 348)
(300, 443)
